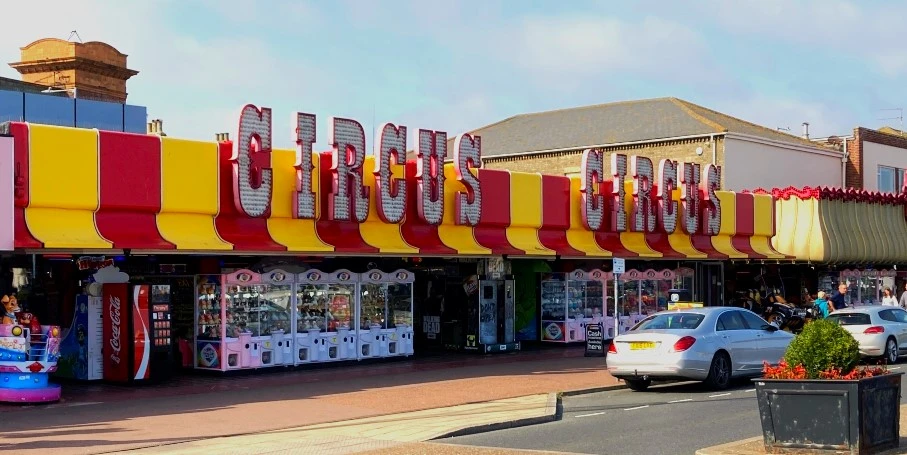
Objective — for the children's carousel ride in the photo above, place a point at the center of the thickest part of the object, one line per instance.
(28, 354)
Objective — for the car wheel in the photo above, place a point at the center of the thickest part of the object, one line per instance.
(719, 372)
(638, 385)
(891, 350)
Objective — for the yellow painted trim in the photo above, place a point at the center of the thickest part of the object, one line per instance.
(189, 195)
(452, 235)
(386, 237)
(679, 241)
(763, 226)
(296, 234)
(64, 187)
(526, 216)
(578, 236)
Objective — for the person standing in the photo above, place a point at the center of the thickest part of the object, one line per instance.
(888, 298)
(825, 307)
(838, 300)
(904, 297)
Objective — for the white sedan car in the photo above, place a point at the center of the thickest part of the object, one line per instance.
(712, 344)
(881, 331)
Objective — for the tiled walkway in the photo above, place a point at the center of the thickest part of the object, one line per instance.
(126, 419)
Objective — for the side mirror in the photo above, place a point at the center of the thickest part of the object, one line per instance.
(769, 328)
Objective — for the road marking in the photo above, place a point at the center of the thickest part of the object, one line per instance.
(895, 368)
(750, 390)
(590, 415)
(719, 395)
(638, 407)
(681, 401)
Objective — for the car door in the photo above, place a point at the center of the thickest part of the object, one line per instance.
(771, 344)
(890, 322)
(738, 340)
(900, 316)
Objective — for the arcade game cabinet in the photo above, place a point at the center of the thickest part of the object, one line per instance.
(491, 313)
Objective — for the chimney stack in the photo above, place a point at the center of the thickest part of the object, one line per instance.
(805, 130)
(156, 127)
(222, 137)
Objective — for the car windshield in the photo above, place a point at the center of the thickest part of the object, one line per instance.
(849, 318)
(672, 321)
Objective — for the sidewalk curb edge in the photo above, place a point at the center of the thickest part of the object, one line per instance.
(553, 412)
(722, 448)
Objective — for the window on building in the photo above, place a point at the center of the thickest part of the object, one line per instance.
(891, 179)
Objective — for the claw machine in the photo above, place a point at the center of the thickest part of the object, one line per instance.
(385, 316)
(275, 317)
(210, 329)
(490, 325)
(325, 307)
(569, 301)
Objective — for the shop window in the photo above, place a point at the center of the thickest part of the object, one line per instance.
(891, 179)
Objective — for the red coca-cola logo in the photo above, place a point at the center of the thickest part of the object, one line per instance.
(115, 324)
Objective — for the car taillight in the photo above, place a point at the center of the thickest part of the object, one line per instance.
(683, 344)
(612, 349)
(874, 329)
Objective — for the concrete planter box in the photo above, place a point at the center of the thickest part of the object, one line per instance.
(827, 416)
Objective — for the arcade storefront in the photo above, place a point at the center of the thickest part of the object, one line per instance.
(235, 255)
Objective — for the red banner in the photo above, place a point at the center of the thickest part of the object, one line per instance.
(116, 328)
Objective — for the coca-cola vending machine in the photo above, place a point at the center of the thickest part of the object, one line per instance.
(137, 346)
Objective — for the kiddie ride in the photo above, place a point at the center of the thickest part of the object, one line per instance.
(28, 353)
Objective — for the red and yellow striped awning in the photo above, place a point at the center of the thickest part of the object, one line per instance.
(84, 190)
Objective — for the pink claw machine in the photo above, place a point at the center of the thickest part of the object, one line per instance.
(245, 320)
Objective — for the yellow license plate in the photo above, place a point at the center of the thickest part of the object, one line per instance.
(642, 345)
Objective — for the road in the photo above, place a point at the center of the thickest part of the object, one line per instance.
(671, 419)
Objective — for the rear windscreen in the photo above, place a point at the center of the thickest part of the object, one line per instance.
(673, 321)
(850, 318)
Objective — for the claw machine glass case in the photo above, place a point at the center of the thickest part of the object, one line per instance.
(209, 317)
(325, 307)
(570, 301)
(275, 317)
(385, 319)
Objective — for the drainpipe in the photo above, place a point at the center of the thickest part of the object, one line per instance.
(844, 166)
(714, 150)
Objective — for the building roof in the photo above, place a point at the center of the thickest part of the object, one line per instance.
(15, 85)
(614, 123)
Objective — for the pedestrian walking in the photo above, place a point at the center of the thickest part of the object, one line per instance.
(888, 298)
(825, 307)
(838, 299)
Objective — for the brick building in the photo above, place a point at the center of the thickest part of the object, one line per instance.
(750, 155)
(877, 159)
(93, 70)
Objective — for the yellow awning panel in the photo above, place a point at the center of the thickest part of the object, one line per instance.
(722, 241)
(460, 238)
(63, 191)
(386, 237)
(635, 241)
(578, 236)
(526, 214)
(296, 234)
(763, 226)
(189, 195)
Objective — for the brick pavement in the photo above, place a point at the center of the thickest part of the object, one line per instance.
(253, 405)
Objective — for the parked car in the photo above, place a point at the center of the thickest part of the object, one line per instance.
(880, 330)
(712, 344)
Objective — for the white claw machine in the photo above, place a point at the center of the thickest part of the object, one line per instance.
(385, 314)
(325, 307)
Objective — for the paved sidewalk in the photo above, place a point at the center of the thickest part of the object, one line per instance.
(381, 432)
(256, 406)
(754, 446)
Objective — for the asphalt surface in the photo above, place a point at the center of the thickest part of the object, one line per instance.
(669, 419)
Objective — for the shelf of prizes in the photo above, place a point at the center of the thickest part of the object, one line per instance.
(570, 301)
(258, 320)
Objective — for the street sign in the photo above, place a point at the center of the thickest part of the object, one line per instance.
(618, 266)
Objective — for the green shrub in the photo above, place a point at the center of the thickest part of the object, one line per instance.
(821, 346)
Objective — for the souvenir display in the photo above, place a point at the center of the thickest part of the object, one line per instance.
(572, 300)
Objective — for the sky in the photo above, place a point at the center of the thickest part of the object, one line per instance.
(458, 65)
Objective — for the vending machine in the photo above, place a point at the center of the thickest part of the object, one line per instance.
(137, 335)
(491, 314)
